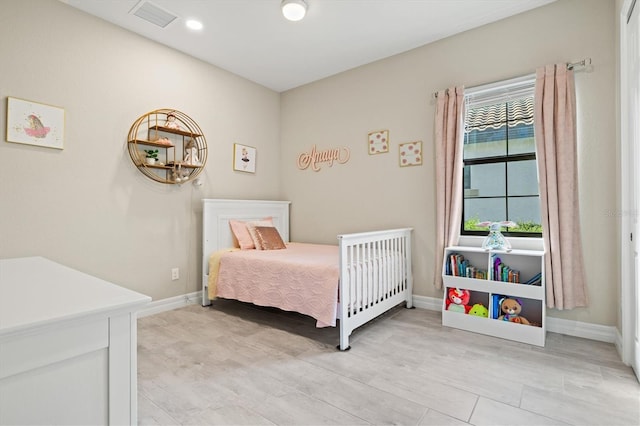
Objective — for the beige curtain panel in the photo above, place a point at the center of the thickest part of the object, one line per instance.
(558, 174)
(448, 144)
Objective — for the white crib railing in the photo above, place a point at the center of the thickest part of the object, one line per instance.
(375, 276)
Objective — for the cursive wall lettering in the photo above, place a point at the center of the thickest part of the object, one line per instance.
(315, 158)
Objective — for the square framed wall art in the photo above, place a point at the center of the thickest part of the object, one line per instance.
(411, 154)
(34, 123)
(378, 142)
(244, 158)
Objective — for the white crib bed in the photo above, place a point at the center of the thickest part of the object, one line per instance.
(374, 267)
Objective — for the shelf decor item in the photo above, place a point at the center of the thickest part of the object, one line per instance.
(244, 158)
(152, 156)
(191, 153)
(495, 240)
(378, 142)
(167, 146)
(33, 123)
(171, 122)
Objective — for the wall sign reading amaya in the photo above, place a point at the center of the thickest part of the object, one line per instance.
(314, 158)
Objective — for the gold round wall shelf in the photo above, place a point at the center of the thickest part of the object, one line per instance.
(167, 146)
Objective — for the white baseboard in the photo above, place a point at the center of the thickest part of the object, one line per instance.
(619, 346)
(601, 333)
(585, 330)
(429, 303)
(170, 303)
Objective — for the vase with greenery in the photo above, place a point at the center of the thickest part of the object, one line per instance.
(152, 156)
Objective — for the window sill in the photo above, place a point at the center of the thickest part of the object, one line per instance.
(521, 243)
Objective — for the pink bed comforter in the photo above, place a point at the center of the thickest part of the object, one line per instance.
(301, 278)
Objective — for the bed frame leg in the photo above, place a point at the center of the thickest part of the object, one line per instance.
(344, 338)
(205, 296)
(409, 301)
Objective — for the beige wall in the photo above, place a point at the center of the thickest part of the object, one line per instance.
(373, 192)
(87, 206)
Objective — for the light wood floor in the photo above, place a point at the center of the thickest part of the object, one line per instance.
(234, 363)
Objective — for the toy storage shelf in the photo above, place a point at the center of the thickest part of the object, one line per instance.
(528, 263)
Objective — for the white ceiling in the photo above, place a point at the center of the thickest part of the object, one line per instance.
(251, 38)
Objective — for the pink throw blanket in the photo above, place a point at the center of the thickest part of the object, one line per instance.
(301, 278)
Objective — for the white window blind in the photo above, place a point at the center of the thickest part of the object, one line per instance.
(507, 103)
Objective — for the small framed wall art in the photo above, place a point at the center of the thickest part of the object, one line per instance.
(378, 142)
(244, 158)
(33, 123)
(411, 154)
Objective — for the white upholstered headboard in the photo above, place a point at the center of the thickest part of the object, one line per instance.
(216, 213)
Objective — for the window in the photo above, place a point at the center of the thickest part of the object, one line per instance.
(500, 176)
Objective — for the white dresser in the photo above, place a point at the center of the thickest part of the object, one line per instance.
(67, 346)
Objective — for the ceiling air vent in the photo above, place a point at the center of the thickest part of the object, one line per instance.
(153, 13)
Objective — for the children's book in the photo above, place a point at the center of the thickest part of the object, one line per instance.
(495, 303)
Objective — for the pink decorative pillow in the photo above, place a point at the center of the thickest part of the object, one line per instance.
(251, 227)
(241, 233)
(268, 238)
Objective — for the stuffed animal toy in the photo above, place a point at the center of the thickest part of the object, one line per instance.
(495, 240)
(457, 300)
(511, 309)
(171, 122)
(479, 310)
(191, 156)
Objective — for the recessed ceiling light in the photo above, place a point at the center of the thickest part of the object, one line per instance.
(194, 25)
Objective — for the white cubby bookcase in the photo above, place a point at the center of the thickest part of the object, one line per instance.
(487, 291)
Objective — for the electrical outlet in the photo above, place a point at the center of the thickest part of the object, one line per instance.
(175, 274)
